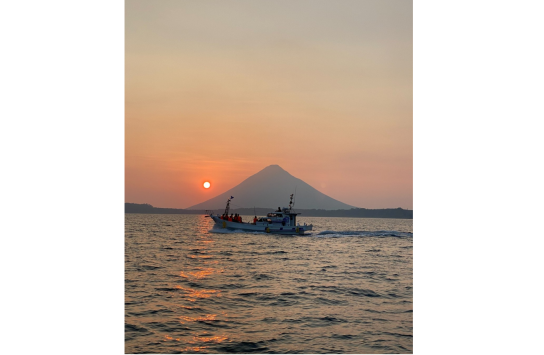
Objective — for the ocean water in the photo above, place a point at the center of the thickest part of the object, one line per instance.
(344, 288)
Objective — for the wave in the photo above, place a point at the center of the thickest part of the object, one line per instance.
(244, 347)
(327, 233)
(337, 234)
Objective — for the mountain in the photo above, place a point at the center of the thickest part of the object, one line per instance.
(271, 188)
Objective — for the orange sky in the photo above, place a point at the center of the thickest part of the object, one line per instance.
(218, 90)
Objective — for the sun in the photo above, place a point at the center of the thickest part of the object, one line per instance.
(207, 185)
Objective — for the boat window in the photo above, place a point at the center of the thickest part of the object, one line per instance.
(274, 215)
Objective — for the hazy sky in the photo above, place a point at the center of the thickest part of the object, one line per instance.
(218, 90)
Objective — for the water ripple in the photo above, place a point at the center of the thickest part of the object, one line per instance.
(345, 288)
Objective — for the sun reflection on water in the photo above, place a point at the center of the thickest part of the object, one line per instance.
(201, 273)
(192, 294)
(215, 339)
(196, 342)
(198, 339)
(168, 337)
(200, 256)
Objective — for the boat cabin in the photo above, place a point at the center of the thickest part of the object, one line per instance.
(285, 217)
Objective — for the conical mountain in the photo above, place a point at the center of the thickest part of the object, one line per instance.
(271, 188)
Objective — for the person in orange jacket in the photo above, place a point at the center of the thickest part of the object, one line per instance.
(255, 220)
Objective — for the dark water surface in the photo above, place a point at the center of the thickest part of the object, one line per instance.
(346, 288)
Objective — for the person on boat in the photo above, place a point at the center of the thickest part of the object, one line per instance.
(279, 209)
(240, 219)
(255, 220)
(230, 218)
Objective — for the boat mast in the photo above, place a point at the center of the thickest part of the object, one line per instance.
(227, 207)
(295, 196)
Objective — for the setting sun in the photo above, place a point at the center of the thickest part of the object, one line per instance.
(207, 185)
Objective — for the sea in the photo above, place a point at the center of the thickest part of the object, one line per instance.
(345, 287)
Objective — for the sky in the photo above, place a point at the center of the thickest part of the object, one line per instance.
(218, 90)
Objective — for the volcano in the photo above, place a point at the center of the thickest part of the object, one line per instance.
(270, 188)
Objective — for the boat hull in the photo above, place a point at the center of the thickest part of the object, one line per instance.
(273, 228)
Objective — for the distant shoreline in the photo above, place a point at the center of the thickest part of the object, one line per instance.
(354, 212)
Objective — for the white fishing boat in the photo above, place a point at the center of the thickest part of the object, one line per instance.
(281, 221)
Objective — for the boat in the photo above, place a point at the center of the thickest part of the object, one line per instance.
(281, 221)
